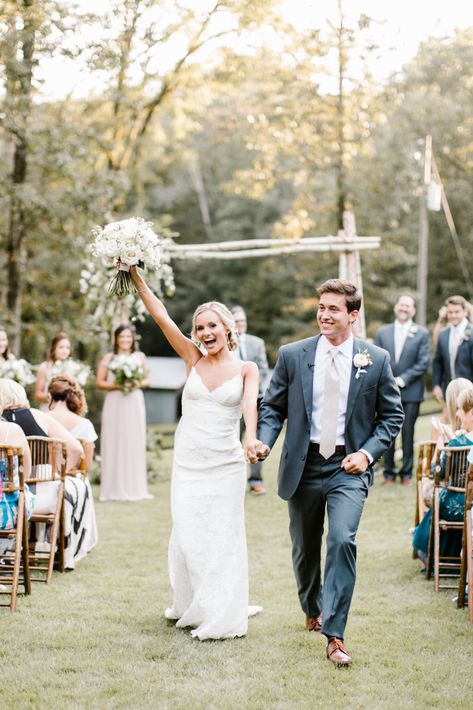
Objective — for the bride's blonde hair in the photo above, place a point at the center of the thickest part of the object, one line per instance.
(225, 316)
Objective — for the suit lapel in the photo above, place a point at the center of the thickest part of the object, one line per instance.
(355, 383)
(307, 359)
(464, 340)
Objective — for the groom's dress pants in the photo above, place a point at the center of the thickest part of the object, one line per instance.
(326, 486)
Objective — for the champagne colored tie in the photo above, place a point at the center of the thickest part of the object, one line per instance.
(328, 437)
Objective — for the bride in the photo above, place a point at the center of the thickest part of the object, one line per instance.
(208, 565)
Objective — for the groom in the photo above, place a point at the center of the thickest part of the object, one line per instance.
(343, 410)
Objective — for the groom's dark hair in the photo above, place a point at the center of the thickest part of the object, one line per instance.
(344, 288)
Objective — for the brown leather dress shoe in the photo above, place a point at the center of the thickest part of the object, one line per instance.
(336, 653)
(314, 623)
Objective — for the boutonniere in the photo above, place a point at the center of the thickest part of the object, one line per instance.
(412, 331)
(466, 335)
(361, 360)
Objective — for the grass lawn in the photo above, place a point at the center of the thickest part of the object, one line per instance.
(97, 638)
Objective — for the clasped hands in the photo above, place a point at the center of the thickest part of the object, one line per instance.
(356, 463)
(255, 450)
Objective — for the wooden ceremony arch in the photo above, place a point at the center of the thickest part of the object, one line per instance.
(347, 243)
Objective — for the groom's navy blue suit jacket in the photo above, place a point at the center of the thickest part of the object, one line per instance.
(374, 412)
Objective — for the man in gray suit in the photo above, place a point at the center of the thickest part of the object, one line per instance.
(408, 346)
(343, 411)
(250, 347)
(454, 352)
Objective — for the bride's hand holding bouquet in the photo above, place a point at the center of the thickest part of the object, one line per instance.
(126, 244)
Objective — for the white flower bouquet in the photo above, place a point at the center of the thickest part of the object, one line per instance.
(128, 371)
(130, 242)
(74, 368)
(18, 370)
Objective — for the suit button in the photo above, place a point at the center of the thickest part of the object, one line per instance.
(302, 458)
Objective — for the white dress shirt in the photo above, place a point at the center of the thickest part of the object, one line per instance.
(400, 334)
(344, 363)
(456, 333)
(454, 340)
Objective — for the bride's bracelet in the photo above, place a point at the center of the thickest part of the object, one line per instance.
(142, 290)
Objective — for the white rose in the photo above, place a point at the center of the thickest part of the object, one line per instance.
(131, 255)
(360, 360)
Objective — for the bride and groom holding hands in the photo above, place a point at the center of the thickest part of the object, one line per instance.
(342, 409)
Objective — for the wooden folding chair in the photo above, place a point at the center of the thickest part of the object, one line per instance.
(48, 471)
(424, 461)
(466, 571)
(14, 567)
(454, 479)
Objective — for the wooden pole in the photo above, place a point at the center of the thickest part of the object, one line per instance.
(423, 246)
(349, 266)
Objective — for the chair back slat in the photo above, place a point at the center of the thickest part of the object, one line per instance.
(48, 459)
(11, 469)
(424, 459)
(456, 467)
(469, 489)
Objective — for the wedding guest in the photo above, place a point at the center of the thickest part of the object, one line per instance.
(252, 349)
(16, 408)
(408, 346)
(13, 435)
(60, 349)
(442, 321)
(123, 430)
(443, 431)
(34, 422)
(5, 352)
(342, 409)
(452, 503)
(454, 352)
(68, 406)
(208, 565)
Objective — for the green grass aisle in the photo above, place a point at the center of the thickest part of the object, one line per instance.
(96, 638)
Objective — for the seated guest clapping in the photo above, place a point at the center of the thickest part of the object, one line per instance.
(452, 503)
(16, 409)
(441, 431)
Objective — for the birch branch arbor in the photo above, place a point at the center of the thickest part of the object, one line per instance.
(346, 243)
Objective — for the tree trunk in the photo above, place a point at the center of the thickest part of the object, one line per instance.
(19, 85)
(341, 196)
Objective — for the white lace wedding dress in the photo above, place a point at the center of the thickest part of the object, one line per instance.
(208, 564)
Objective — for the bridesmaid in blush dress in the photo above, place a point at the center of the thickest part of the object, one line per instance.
(123, 430)
(60, 349)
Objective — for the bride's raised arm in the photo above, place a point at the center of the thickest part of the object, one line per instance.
(183, 346)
